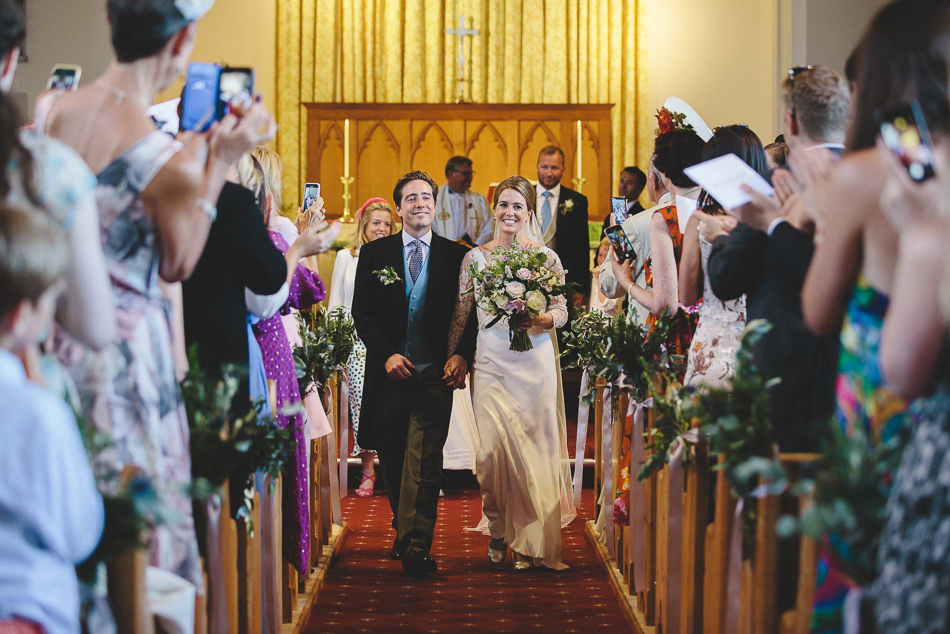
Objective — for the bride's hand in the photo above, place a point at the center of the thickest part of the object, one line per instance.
(456, 368)
(544, 320)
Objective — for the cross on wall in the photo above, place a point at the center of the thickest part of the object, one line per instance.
(461, 32)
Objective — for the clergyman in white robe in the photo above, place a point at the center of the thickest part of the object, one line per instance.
(463, 215)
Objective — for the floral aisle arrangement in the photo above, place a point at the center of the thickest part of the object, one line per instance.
(327, 340)
(516, 285)
(224, 445)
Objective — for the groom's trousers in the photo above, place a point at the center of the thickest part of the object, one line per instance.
(412, 425)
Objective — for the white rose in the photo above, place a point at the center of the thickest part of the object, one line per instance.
(514, 289)
(501, 301)
(537, 302)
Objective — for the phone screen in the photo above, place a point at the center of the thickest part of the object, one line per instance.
(904, 132)
(621, 243)
(236, 91)
(618, 207)
(199, 99)
(311, 192)
(64, 78)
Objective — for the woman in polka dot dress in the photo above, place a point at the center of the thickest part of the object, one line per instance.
(376, 221)
(260, 171)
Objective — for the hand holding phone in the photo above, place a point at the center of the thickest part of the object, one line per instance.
(311, 193)
(618, 209)
(904, 132)
(621, 244)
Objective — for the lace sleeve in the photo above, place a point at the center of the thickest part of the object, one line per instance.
(558, 307)
(463, 304)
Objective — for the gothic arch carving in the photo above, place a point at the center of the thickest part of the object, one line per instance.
(417, 142)
(526, 139)
(474, 138)
(379, 125)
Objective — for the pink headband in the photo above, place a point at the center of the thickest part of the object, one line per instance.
(370, 202)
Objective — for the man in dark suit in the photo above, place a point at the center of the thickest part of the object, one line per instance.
(563, 215)
(403, 303)
(766, 258)
(631, 184)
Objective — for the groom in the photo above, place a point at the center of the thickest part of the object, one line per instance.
(403, 301)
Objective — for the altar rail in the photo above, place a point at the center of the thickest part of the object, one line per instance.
(701, 571)
(248, 583)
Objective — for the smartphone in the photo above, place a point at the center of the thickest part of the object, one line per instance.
(236, 91)
(904, 132)
(199, 99)
(618, 208)
(64, 77)
(311, 192)
(621, 243)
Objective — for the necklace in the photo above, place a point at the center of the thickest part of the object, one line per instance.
(121, 95)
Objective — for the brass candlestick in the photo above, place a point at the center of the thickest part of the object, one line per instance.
(578, 183)
(347, 218)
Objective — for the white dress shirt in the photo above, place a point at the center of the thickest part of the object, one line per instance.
(52, 512)
(426, 246)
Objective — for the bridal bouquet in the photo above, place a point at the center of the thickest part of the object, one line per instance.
(516, 284)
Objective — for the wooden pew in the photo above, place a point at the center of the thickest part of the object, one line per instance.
(127, 593)
(250, 615)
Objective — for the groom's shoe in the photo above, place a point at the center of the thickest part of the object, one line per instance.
(394, 553)
(418, 563)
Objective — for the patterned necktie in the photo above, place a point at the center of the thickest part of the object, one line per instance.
(415, 260)
(546, 212)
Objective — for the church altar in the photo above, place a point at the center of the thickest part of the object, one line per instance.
(376, 143)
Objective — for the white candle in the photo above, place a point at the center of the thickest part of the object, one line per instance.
(346, 148)
(579, 140)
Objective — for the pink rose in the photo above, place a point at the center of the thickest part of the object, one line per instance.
(525, 274)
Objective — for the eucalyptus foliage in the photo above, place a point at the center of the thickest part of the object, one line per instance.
(327, 337)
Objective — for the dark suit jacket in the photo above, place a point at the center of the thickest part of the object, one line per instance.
(238, 254)
(571, 242)
(381, 313)
(770, 271)
(633, 211)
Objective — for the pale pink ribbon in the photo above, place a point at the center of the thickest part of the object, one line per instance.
(218, 613)
(734, 563)
(610, 493)
(583, 411)
(344, 434)
(674, 542)
(637, 510)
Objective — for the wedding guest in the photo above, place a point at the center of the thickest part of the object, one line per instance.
(637, 230)
(305, 290)
(676, 148)
(375, 221)
(767, 256)
(48, 176)
(52, 514)
(155, 208)
(713, 349)
(522, 469)
(901, 56)
(776, 155)
(462, 214)
(562, 213)
(598, 300)
(915, 360)
(629, 187)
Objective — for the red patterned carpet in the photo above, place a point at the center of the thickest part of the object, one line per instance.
(366, 592)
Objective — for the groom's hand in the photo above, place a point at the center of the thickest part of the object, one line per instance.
(399, 368)
(454, 373)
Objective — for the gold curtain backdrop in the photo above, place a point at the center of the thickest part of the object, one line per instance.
(397, 51)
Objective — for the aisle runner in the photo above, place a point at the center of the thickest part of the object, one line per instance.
(366, 592)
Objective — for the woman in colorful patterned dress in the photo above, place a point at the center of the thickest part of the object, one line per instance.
(155, 205)
(714, 346)
(901, 56)
(260, 171)
(376, 221)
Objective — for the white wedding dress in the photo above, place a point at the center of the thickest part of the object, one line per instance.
(522, 462)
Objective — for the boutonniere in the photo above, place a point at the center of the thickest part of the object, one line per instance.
(566, 206)
(387, 276)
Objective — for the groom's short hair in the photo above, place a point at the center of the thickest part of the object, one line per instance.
(414, 175)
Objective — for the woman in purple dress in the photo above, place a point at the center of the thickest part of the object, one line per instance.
(260, 171)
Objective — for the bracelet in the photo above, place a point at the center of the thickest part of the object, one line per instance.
(208, 209)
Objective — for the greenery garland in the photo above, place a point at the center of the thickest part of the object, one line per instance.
(223, 444)
(327, 340)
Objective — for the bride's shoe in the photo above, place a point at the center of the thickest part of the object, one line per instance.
(497, 550)
(521, 562)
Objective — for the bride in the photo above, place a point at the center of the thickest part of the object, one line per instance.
(522, 461)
